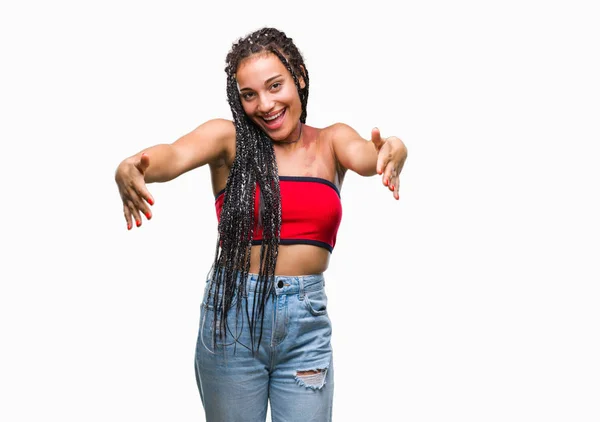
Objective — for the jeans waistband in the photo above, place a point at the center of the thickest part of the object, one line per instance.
(287, 285)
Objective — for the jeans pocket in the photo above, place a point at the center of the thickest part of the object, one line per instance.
(209, 302)
(316, 301)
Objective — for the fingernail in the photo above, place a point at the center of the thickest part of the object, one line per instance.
(392, 187)
(385, 182)
(148, 216)
(129, 226)
(150, 201)
(138, 223)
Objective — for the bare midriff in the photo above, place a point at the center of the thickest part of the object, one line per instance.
(295, 260)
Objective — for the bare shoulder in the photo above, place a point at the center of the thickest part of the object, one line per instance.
(213, 142)
(221, 129)
(338, 132)
(334, 137)
(224, 133)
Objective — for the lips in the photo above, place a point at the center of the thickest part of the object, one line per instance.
(273, 116)
(275, 120)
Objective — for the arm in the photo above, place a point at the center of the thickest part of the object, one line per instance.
(352, 151)
(367, 158)
(209, 143)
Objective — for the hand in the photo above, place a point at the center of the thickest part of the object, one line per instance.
(391, 154)
(132, 188)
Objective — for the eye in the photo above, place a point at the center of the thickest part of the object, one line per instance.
(247, 96)
(276, 86)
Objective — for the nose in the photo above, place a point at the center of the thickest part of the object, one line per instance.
(265, 103)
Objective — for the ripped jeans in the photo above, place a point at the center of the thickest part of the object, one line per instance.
(292, 369)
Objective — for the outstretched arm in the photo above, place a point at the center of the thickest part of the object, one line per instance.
(378, 156)
(208, 143)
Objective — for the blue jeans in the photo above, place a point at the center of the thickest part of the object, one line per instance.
(292, 368)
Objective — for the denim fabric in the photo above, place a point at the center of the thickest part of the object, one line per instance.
(235, 384)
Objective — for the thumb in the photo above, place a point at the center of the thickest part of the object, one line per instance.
(376, 138)
(144, 163)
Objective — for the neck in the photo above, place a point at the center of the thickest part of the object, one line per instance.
(297, 138)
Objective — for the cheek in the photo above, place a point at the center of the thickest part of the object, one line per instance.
(247, 108)
(294, 98)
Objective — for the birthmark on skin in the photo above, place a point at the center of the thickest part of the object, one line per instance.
(306, 142)
(309, 160)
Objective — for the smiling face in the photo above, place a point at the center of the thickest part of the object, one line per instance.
(269, 96)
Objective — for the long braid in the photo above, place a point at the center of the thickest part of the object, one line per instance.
(254, 164)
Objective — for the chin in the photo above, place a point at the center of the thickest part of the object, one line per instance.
(275, 135)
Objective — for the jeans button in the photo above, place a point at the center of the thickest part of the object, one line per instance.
(280, 284)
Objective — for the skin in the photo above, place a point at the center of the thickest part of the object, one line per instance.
(266, 88)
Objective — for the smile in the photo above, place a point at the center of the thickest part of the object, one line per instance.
(270, 118)
(274, 121)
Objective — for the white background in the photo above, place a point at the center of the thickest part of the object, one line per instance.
(473, 298)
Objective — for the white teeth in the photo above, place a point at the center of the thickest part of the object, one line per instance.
(268, 119)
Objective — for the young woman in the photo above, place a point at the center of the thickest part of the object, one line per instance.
(264, 330)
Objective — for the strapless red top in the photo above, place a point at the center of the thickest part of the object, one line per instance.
(311, 211)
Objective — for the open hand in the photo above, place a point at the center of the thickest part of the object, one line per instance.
(391, 154)
(132, 188)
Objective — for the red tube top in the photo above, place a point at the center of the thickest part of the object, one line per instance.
(311, 211)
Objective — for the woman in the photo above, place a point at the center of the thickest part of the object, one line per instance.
(264, 330)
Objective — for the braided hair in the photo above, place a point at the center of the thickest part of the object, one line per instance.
(254, 164)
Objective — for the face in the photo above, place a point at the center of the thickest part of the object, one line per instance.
(269, 96)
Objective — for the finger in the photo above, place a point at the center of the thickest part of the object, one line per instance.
(143, 164)
(376, 138)
(383, 159)
(148, 197)
(139, 194)
(141, 190)
(135, 213)
(127, 214)
(395, 183)
(388, 176)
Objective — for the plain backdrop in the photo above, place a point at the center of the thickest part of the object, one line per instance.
(473, 298)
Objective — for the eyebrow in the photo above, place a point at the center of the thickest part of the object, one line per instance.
(267, 82)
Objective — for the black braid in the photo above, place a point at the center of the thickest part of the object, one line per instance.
(254, 164)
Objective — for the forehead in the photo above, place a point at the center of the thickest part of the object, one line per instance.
(256, 69)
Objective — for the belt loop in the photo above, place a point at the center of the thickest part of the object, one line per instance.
(301, 285)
